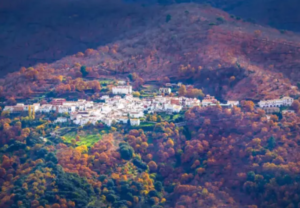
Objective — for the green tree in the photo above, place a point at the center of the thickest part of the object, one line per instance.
(168, 17)
(148, 117)
(250, 176)
(83, 71)
(133, 76)
(111, 198)
(159, 118)
(126, 151)
(271, 143)
(158, 186)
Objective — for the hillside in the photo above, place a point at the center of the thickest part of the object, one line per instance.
(283, 15)
(187, 42)
(279, 14)
(29, 36)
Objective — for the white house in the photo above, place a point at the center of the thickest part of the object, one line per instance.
(129, 97)
(85, 103)
(61, 120)
(270, 103)
(93, 120)
(121, 82)
(285, 101)
(209, 101)
(73, 115)
(34, 107)
(119, 105)
(136, 114)
(165, 90)
(206, 103)
(19, 107)
(9, 108)
(65, 109)
(70, 103)
(135, 122)
(173, 108)
(82, 121)
(124, 89)
(189, 102)
(123, 119)
(107, 121)
(105, 108)
(104, 97)
(232, 103)
(46, 108)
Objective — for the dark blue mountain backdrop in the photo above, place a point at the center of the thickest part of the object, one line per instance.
(36, 31)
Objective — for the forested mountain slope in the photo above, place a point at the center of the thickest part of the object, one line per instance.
(188, 42)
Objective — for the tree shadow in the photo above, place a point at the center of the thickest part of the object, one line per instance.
(36, 31)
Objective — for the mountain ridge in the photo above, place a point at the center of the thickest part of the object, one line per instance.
(202, 45)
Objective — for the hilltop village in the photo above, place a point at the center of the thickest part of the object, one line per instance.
(124, 108)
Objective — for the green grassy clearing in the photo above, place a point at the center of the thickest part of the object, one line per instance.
(150, 88)
(146, 95)
(168, 117)
(106, 81)
(165, 116)
(88, 140)
(147, 124)
(144, 125)
(177, 116)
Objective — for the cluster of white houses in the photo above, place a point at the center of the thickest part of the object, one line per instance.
(128, 109)
(273, 106)
(285, 101)
(116, 109)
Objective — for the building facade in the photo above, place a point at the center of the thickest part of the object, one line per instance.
(165, 90)
(285, 101)
(58, 101)
(126, 89)
(135, 122)
(61, 120)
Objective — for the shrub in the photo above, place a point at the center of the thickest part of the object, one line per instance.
(140, 164)
(110, 183)
(83, 71)
(153, 193)
(102, 178)
(126, 151)
(221, 19)
(111, 198)
(158, 186)
(250, 176)
(168, 17)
